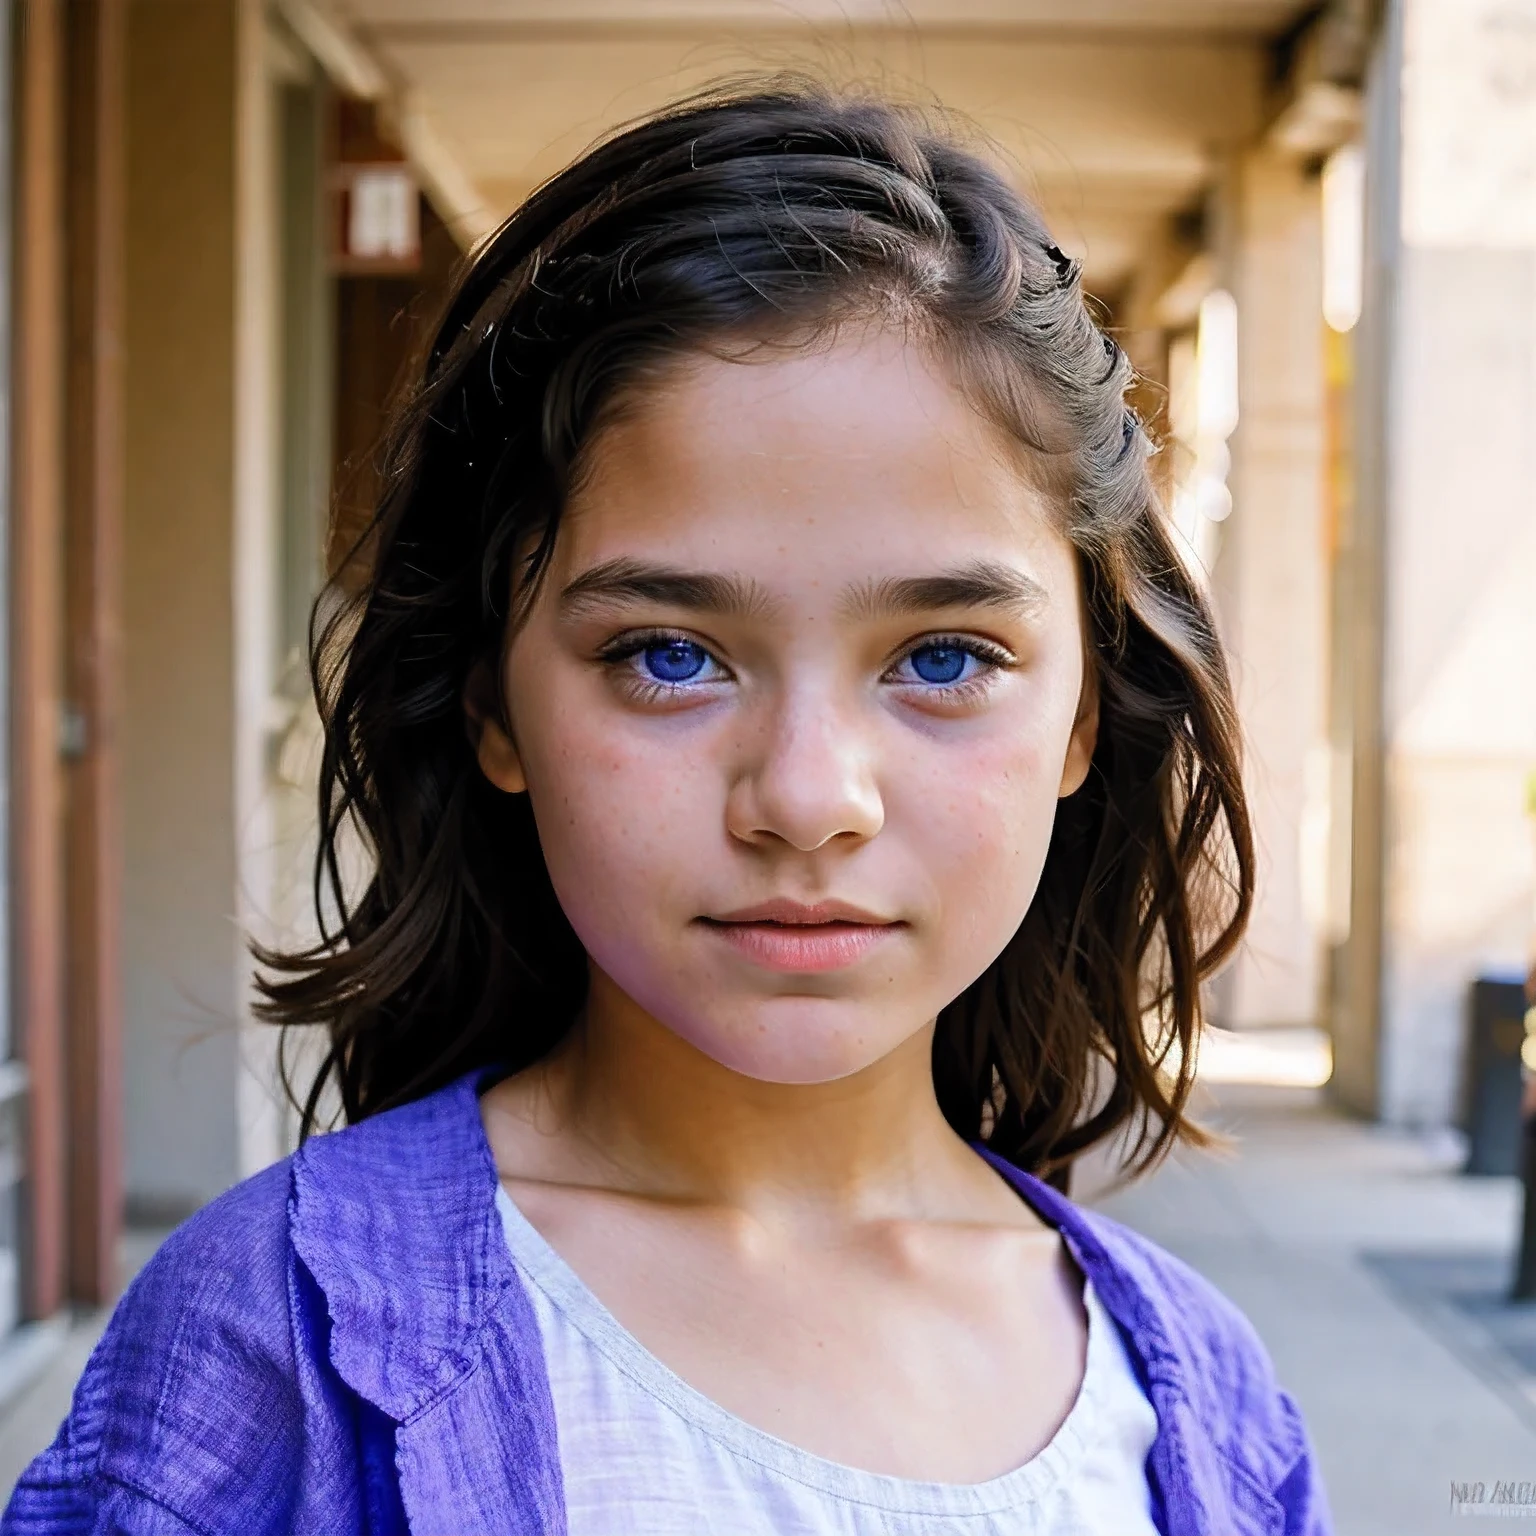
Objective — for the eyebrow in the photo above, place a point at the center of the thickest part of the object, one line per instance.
(980, 584)
(615, 583)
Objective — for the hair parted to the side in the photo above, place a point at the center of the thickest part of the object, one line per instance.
(768, 212)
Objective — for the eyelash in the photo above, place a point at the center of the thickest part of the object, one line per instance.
(994, 658)
(648, 690)
(644, 690)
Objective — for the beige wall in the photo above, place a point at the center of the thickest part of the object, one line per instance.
(1460, 675)
(1459, 665)
(1272, 573)
(180, 1039)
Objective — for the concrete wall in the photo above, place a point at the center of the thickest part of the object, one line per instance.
(1459, 676)
(1363, 406)
(1271, 574)
(180, 861)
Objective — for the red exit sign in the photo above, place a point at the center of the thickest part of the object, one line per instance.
(378, 218)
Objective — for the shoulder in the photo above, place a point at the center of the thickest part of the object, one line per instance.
(1202, 1361)
(1196, 1342)
(193, 1389)
(327, 1298)
(212, 1303)
(1197, 1322)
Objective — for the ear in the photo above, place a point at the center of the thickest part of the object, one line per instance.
(495, 750)
(1085, 733)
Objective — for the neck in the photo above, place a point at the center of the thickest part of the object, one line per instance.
(663, 1118)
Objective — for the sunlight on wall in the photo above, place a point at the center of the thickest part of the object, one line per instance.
(1203, 413)
(1344, 237)
(1276, 1057)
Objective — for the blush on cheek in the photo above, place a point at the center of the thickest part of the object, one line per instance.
(618, 862)
(986, 857)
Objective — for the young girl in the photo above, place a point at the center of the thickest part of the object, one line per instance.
(800, 793)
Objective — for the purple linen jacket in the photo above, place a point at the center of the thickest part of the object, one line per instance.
(340, 1346)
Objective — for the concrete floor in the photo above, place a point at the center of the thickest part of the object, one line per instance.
(1404, 1386)
(1330, 1234)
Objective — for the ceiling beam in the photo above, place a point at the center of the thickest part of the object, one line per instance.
(1236, 19)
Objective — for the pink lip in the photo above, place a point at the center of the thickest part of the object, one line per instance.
(791, 936)
(782, 910)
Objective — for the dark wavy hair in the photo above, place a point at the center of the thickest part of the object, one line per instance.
(773, 211)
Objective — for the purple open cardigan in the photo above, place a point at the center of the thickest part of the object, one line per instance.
(341, 1345)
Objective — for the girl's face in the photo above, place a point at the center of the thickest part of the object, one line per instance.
(795, 704)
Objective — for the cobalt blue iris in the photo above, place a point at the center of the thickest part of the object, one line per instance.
(938, 663)
(676, 661)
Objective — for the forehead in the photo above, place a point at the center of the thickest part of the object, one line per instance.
(858, 452)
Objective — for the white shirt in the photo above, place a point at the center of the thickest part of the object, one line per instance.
(644, 1454)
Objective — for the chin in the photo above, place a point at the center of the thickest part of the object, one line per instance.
(794, 1045)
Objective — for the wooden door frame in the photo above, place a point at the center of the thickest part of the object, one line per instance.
(65, 641)
(92, 639)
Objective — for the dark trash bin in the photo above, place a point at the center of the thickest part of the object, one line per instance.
(1491, 1116)
(1523, 1286)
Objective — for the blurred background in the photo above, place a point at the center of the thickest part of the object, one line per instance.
(1312, 225)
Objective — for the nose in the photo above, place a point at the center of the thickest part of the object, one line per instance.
(807, 778)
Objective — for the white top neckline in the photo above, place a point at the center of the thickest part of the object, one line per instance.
(576, 1306)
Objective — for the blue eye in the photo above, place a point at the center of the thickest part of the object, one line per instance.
(940, 662)
(674, 661)
(952, 667)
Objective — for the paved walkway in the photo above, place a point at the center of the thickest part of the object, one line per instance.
(1334, 1236)
(1369, 1266)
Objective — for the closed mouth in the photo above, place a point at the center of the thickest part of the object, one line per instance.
(785, 913)
(801, 942)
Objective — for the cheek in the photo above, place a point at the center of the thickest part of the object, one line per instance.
(621, 819)
(981, 820)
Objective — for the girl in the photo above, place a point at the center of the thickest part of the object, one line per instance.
(800, 792)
